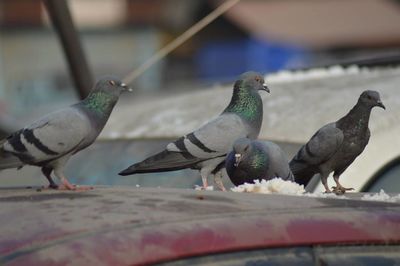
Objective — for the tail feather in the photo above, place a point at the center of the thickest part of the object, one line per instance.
(8, 160)
(161, 162)
(302, 172)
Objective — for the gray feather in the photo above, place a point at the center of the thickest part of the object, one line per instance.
(242, 118)
(54, 131)
(319, 149)
(7, 160)
(161, 162)
(335, 146)
(50, 141)
(258, 160)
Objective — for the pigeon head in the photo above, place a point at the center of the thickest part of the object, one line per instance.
(104, 95)
(241, 149)
(246, 100)
(253, 80)
(111, 85)
(371, 99)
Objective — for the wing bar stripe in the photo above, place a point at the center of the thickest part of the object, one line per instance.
(193, 139)
(30, 137)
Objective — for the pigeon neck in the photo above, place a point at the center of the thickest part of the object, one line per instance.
(100, 102)
(258, 162)
(358, 117)
(247, 103)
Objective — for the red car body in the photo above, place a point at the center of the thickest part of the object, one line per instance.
(136, 226)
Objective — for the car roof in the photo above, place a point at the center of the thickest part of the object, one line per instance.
(116, 225)
(300, 103)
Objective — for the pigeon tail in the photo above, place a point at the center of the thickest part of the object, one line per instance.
(8, 160)
(302, 172)
(161, 162)
(303, 179)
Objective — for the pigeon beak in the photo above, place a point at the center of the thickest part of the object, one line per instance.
(126, 87)
(265, 88)
(380, 104)
(238, 157)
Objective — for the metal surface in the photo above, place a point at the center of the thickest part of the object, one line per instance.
(121, 226)
(61, 18)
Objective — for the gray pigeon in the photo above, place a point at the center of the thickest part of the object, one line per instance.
(205, 149)
(336, 145)
(255, 159)
(52, 140)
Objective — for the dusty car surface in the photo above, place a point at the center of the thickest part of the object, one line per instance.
(136, 226)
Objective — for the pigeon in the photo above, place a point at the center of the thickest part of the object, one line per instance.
(336, 145)
(205, 149)
(254, 159)
(53, 139)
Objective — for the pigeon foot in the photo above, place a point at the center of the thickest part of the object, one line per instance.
(339, 190)
(327, 190)
(75, 188)
(66, 185)
(205, 183)
(221, 186)
(218, 182)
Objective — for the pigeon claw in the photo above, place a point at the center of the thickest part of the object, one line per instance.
(66, 185)
(339, 190)
(219, 183)
(75, 188)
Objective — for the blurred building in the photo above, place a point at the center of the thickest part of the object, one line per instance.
(119, 35)
(320, 24)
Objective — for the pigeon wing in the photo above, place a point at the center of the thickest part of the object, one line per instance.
(51, 137)
(319, 149)
(278, 162)
(213, 139)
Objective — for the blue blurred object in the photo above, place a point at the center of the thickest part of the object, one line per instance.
(224, 60)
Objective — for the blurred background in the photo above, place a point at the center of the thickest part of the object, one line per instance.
(118, 36)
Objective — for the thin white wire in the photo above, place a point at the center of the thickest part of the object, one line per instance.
(160, 54)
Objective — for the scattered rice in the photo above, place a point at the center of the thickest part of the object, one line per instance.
(381, 196)
(276, 185)
(280, 186)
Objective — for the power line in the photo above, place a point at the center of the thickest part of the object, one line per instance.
(160, 54)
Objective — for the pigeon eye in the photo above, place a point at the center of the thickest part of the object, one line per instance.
(369, 97)
(258, 79)
(111, 82)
